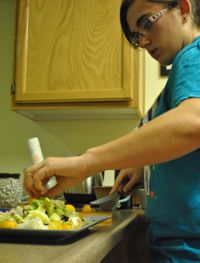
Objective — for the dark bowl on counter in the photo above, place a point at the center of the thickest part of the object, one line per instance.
(79, 199)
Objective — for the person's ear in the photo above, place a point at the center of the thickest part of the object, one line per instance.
(185, 9)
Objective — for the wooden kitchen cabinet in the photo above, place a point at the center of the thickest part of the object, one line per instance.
(72, 55)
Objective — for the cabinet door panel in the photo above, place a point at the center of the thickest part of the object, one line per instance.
(71, 50)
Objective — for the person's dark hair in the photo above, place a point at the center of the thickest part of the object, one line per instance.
(169, 3)
(196, 12)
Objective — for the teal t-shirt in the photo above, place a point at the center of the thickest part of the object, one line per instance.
(174, 203)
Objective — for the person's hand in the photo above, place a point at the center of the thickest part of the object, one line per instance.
(127, 179)
(68, 172)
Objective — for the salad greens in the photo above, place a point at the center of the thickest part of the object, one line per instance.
(42, 213)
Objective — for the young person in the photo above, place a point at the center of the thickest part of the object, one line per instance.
(169, 142)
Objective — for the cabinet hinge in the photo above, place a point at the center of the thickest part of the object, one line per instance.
(12, 89)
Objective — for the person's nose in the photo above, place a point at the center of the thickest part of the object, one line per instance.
(144, 41)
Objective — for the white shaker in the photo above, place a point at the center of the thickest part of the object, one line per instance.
(35, 150)
(37, 156)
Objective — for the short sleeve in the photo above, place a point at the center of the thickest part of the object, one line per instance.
(184, 81)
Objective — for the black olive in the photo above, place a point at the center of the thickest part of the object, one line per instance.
(64, 218)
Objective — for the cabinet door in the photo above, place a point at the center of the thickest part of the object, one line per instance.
(72, 50)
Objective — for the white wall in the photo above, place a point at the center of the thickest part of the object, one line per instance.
(154, 83)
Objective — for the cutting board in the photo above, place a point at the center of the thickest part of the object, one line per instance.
(106, 222)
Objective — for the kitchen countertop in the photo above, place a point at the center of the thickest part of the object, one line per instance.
(91, 247)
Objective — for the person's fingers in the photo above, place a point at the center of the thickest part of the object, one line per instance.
(40, 178)
(28, 181)
(28, 184)
(125, 181)
(39, 185)
(128, 185)
(118, 183)
(54, 191)
(115, 187)
(34, 168)
(32, 192)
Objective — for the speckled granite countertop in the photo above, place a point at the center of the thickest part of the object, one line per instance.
(91, 247)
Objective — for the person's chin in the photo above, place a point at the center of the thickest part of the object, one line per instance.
(164, 61)
(162, 58)
(156, 55)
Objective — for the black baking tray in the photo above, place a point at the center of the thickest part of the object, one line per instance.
(54, 237)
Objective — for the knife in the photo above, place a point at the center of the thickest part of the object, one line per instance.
(115, 197)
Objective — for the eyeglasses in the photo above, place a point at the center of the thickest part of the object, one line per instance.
(145, 27)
